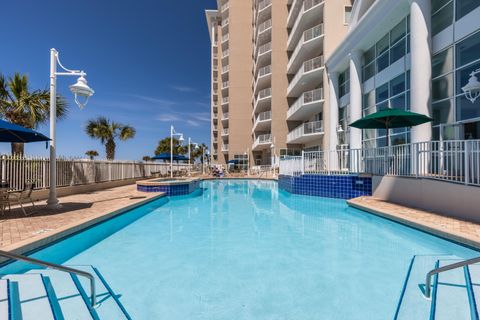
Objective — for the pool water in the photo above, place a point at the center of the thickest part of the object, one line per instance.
(245, 250)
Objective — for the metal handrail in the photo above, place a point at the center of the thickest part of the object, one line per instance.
(455, 265)
(85, 274)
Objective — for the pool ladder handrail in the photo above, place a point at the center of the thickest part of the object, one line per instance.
(428, 280)
(85, 274)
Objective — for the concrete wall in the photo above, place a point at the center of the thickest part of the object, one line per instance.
(450, 199)
(42, 194)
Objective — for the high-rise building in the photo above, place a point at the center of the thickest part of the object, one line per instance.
(269, 83)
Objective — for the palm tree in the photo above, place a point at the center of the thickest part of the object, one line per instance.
(164, 146)
(20, 105)
(147, 158)
(91, 154)
(107, 132)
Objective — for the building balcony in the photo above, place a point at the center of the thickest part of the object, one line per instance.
(263, 78)
(225, 148)
(215, 140)
(295, 8)
(225, 100)
(263, 56)
(263, 141)
(225, 53)
(308, 104)
(264, 10)
(225, 132)
(307, 77)
(308, 15)
(225, 38)
(264, 34)
(225, 116)
(263, 101)
(225, 85)
(215, 116)
(225, 22)
(306, 132)
(215, 127)
(310, 44)
(225, 69)
(225, 7)
(263, 121)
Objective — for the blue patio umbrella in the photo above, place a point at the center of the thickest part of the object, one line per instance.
(233, 161)
(166, 156)
(10, 132)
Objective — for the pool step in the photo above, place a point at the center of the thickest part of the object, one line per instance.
(46, 294)
(455, 293)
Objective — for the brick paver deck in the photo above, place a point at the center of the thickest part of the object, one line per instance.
(21, 234)
(450, 228)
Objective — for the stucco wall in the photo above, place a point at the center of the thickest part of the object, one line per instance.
(450, 199)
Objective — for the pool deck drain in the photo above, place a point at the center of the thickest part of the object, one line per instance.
(460, 231)
(22, 234)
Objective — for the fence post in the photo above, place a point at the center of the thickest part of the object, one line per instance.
(303, 162)
(109, 170)
(465, 161)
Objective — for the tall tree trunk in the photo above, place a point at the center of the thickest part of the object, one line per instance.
(110, 149)
(18, 148)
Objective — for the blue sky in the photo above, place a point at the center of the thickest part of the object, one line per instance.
(147, 60)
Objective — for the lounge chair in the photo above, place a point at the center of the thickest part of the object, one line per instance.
(22, 196)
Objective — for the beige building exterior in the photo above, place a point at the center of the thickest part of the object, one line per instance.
(269, 83)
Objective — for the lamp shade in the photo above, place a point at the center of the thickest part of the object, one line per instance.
(81, 88)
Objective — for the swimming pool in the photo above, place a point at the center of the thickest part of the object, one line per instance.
(242, 249)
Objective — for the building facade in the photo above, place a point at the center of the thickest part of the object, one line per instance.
(415, 55)
(280, 69)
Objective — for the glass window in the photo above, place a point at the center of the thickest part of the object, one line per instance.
(466, 109)
(348, 13)
(398, 102)
(382, 106)
(369, 71)
(442, 88)
(442, 19)
(397, 85)
(468, 50)
(397, 51)
(465, 6)
(382, 93)
(397, 32)
(398, 139)
(382, 45)
(442, 112)
(463, 75)
(369, 99)
(437, 4)
(369, 55)
(382, 62)
(442, 63)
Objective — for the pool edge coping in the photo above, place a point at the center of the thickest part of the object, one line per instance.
(43, 240)
(447, 235)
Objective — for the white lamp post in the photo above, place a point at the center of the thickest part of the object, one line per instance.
(79, 89)
(172, 134)
(190, 153)
(472, 88)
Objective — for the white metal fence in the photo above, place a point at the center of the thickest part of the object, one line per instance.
(454, 161)
(16, 170)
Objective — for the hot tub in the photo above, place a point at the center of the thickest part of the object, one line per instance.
(172, 187)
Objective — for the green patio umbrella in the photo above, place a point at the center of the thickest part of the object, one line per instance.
(390, 119)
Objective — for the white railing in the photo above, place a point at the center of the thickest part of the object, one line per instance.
(225, 37)
(225, 147)
(225, 86)
(264, 71)
(308, 35)
(225, 7)
(307, 5)
(262, 139)
(264, 26)
(225, 116)
(225, 100)
(305, 129)
(263, 116)
(453, 161)
(263, 4)
(308, 66)
(17, 170)
(265, 93)
(225, 131)
(306, 98)
(225, 53)
(225, 22)
(264, 48)
(225, 69)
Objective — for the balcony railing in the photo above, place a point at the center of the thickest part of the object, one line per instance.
(305, 129)
(215, 116)
(264, 71)
(308, 35)
(225, 116)
(225, 7)
(263, 116)
(225, 132)
(265, 93)
(215, 67)
(225, 85)
(225, 69)
(264, 26)
(225, 37)
(262, 139)
(225, 147)
(307, 5)
(225, 53)
(264, 48)
(225, 100)
(306, 98)
(263, 4)
(215, 128)
(225, 22)
(307, 66)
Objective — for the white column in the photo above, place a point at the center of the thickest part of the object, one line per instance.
(421, 66)
(355, 112)
(52, 201)
(333, 120)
